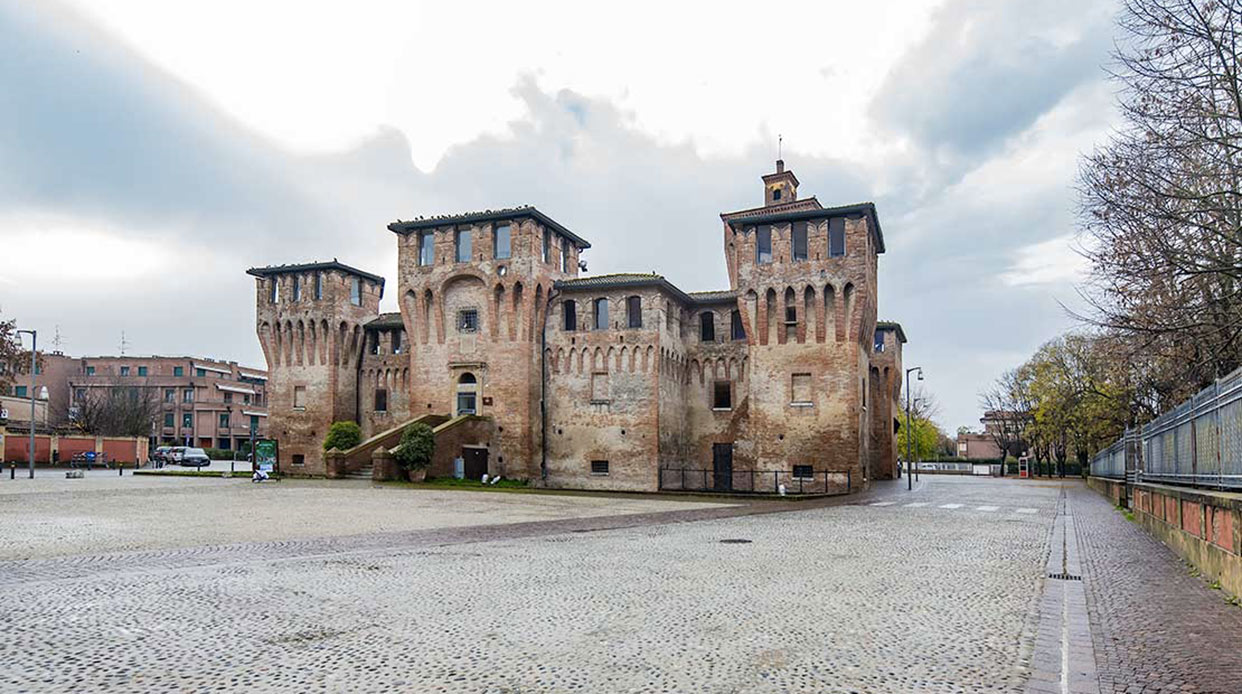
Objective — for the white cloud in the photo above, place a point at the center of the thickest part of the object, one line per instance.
(1052, 262)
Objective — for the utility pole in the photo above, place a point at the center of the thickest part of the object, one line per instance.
(909, 431)
(34, 351)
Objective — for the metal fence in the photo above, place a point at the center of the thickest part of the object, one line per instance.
(1199, 442)
(755, 481)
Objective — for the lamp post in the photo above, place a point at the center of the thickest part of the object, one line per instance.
(34, 344)
(910, 432)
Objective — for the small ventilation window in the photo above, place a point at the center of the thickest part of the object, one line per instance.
(803, 472)
(468, 321)
(299, 459)
(599, 467)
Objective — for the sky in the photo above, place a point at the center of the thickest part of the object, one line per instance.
(152, 151)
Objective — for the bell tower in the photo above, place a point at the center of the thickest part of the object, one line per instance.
(781, 187)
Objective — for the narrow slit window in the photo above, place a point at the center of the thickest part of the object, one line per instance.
(601, 314)
(736, 330)
(426, 248)
(570, 311)
(381, 400)
(355, 291)
(462, 245)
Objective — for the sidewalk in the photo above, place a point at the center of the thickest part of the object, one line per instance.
(1154, 626)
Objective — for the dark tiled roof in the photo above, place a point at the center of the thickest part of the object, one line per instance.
(306, 267)
(404, 227)
(892, 325)
(791, 206)
(385, 321)
(867, 209)
(714, 296)
(643, 279)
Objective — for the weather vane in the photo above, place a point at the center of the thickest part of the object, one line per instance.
(780, 139)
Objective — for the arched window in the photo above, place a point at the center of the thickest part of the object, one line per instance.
(601, 314)
(707, 326)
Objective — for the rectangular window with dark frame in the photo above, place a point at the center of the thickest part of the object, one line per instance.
(634, 312)
(142, 371)
(879, 341)
(462, 245)
(224, 420)
(228, 398)
(803, 472)
(569, 309)
(297, 288)
(124, 370)
(426, 248)
(170, 395)
(187, 421)
(381, 400)
(468, 320)
(299, 459)
(187, 395)
(299, 397)
(722, 395)
(90, 371)
(168, 420)
(707, 327)
(836, 237)
(737, 331)
(396, 342)
(547, 246)
(178, 371)
(799, 241)
(273, 290)
(355, 291)
(763, 244)
(599, 467)
(318, 286)
(501, 242)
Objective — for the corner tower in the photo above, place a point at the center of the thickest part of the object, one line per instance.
(310, 321)
(805, 279)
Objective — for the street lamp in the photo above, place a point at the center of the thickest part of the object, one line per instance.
(909, 463)
(34, 344)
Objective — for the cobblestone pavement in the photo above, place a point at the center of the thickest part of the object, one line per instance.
(1155, 627)
(943, 589)
(52, 516)
(834, 597)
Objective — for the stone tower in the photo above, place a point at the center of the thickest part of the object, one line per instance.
(474, 290)
(805, 278)
(310, 322)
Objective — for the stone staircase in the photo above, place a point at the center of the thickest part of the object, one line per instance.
(362, 473)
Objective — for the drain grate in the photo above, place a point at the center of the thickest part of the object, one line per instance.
(1065, 577)
(735, 541)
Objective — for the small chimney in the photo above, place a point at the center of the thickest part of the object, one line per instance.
(780, 165)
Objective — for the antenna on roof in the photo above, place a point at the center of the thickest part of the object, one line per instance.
(780, 139)
(57, 340)
(124, 343)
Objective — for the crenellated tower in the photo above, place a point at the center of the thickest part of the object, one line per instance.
(311, 321)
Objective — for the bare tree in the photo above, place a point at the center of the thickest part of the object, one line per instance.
(1007, 413)
(116, 410)
(1161, 207)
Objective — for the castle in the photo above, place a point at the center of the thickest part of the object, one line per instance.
(621, 381)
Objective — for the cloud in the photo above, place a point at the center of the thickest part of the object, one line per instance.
(1053, 262)
(988, 70)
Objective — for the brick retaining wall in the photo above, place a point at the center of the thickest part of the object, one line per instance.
(1202, 526)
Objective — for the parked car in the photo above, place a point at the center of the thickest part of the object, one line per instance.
(174, 454)
(160, 455)
(195, 457)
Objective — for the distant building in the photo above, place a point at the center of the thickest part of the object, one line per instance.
(201, 402)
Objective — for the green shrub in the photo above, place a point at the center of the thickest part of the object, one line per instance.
(418, 443)
(218, 453)
(342, 436)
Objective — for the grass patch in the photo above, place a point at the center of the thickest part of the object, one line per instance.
(504, 483)
(240, 474)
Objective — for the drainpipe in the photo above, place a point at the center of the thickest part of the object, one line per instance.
(543, 388)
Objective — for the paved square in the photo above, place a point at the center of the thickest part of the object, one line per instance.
(488, 592)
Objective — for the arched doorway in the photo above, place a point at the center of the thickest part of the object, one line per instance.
(467, 394)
